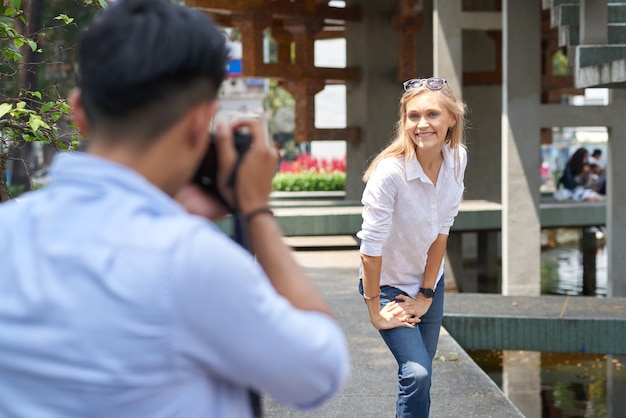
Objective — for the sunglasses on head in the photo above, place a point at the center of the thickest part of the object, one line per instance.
(433, 83)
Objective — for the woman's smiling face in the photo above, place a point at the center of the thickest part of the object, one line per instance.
(427, 121)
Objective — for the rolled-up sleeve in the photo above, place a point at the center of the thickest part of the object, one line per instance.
(233, 324)
(457, 191)
(378, 202)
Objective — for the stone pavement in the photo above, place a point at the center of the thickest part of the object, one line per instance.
(460, 388)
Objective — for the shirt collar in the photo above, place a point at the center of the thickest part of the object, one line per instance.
(415, 171)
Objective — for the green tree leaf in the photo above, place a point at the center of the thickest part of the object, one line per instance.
(36, 94)
(35, 122)
(5, 108)
(65, 18)
(46, 107)
(19, 42)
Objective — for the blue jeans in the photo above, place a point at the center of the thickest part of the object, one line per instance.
(414, 350)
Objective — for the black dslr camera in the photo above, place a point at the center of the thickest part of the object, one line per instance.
(206, 175)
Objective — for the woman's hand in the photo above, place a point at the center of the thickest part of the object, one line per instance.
(411, 308)
(392, 316)
(404, 311)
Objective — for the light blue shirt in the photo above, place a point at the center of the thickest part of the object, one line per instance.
(114, 302)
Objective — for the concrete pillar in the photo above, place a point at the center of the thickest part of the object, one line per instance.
(593, 22)
(521, 380)
(447, 43)
(483, 175)
(521, 77)
(615, 387)
(616, 198)
(371, 103)
(448, 64)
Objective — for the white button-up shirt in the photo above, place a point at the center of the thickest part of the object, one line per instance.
(403, 213)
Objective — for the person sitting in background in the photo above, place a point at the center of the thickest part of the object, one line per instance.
(575, 179)
(596, 157)
(593, 178)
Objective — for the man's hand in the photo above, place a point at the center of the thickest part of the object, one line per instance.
(256, 170)
(197, 202)
(254, 174)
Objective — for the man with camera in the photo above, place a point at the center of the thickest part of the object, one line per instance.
(118, 297)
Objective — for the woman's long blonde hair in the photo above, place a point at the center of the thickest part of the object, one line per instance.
(403, 146)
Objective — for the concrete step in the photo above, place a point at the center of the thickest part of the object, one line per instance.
(593, 55)
(611, 74)
(599, 66)
(592, 65)
(570, 35)
(551, 4)
(567, 14)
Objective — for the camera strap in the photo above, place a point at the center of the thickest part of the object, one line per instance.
(240, 231)
(241, 236)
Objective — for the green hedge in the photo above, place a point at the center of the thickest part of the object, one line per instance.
(309, 182)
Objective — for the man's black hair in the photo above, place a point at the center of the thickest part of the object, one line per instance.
(144, 63)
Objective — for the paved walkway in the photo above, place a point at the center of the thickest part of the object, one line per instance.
(371, 390)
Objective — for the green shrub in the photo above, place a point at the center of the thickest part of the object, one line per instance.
(16, 190)
(309, 181)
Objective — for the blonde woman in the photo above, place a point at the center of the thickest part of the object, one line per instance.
(412, 194)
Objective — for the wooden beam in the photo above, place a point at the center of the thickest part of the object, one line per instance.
(280, 8)
(349, 134)
(407, 22)
(225, 6)
(326, 74)
(291, 23)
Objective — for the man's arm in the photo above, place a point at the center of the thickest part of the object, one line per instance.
(251, 196)
(285, 274)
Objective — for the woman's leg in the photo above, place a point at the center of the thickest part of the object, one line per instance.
(414, 349)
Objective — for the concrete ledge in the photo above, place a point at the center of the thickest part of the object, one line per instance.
(317, 218)
(579, 214)
(537, 323)
(461, 388)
